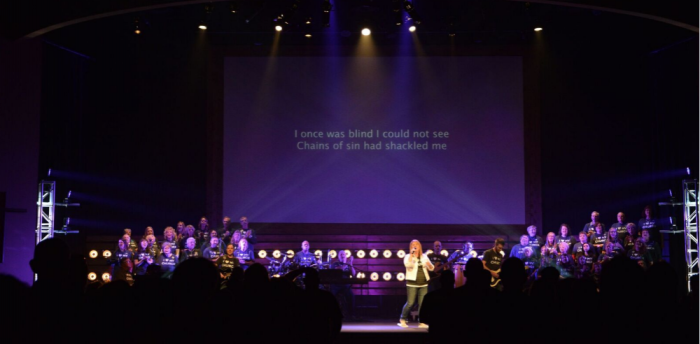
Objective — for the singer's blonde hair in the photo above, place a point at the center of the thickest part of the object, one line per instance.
(418, 245)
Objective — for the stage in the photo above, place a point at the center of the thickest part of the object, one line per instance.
(381, 331)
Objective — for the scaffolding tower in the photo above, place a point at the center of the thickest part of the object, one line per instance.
(690, 215)
(46, 210)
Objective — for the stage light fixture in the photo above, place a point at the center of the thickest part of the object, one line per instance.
(262, 254)
(387, 254)
(106, 277)
(387, 276)
(444, 253)
(687, 170)
(93, 254)
(401, 253)
(49, 174)
(360, 275)
(360, 254)
(308, 21)
(202, 26)
(326, 6)
(374, 276)
(106, 254)
(278, 28)
(366, 32)
(428, 252)
(233, 6)
(400, 276)
(411, 10)
(333, 254)
(276, 253)
(373, 253)
(318, 254)
(348, 253)
(92, 276)
(538, 29)
(290, 254)
(137, 29)
(308, 35)
(412, 28)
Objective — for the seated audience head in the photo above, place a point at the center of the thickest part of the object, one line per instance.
(51, 260)
(513, 274)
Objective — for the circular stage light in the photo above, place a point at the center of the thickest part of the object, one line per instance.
(366, 32)
(428, 252)
(401, 253)
(318, 254)
(444, 253)
(333, 254)
(412, 28)
(262, 253)
(106, 254)
(92, 276)
(373, 253)
(93, 254)
(538, 29)
(400, 276)
(106, 277)
(276, 253)
(374, 276)
(360, 254)
(278, 28)
(290, 254)
(348, 253)
(387, 276)
(387, 254)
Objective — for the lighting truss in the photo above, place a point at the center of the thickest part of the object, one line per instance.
(690, 216)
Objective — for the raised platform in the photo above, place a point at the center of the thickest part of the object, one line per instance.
(381, 331)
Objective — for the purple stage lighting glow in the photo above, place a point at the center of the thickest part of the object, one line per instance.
(69, 193)
(49, 174)
(687, 170)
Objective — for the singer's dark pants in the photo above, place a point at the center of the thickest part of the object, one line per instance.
(413, 293)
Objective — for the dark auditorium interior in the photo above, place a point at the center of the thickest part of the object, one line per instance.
(550, 148)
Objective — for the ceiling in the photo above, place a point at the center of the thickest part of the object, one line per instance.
(33, 18)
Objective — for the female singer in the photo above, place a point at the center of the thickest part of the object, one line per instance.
(549, 251)
(565, 235)
(169, 237)
(244, 254)
(167, 260)
(598, 238)
(142, 258)
(227, 262)
(631, 238)
(417, 267)
(617, 244)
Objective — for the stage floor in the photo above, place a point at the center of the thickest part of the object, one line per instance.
(381, 326)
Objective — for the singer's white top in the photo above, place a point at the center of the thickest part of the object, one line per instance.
(412, 267)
